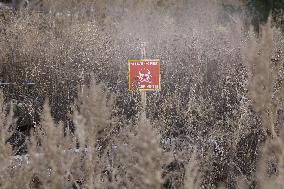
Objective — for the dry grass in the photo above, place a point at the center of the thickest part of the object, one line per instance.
(266, 92)
(220, 127)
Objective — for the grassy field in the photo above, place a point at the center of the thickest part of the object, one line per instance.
(216, 123)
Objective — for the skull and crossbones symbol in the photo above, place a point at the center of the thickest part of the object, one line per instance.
(145, 75)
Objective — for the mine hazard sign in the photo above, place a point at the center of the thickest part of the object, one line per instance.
(143, 75)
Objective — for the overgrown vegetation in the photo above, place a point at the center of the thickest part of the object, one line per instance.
(216, 123)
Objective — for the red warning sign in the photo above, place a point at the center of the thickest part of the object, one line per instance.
(143, 75)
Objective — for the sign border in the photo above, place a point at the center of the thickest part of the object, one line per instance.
(144, 60)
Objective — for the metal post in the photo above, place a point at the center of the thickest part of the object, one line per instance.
(143, 93)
